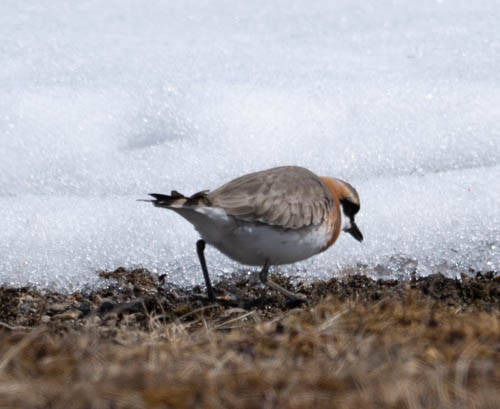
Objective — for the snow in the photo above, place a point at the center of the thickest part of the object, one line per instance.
(104, 102)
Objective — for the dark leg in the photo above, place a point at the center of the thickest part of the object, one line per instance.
(263, 277)
(200, 248)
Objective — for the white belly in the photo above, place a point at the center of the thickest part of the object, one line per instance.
(254, 243)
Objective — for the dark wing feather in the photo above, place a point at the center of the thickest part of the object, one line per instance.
(291, 197)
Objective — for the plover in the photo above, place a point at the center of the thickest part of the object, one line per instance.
(273, 217)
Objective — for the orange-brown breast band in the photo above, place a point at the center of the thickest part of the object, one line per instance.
(335, 215)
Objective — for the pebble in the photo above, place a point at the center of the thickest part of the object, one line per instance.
(57, 308)
(68, 315)
(45, 319)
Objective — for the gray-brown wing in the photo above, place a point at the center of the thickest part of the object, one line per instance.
(288, 196)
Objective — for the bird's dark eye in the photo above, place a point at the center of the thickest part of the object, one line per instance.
(349, 208)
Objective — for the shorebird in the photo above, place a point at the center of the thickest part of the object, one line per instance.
(272, 217)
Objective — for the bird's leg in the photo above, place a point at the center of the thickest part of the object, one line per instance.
(200, 248)
(263, 277)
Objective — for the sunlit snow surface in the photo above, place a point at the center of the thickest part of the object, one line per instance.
(103, 102)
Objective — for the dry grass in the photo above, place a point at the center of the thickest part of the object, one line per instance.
(402, 348)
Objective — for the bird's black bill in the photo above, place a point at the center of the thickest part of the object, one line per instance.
(354, 231)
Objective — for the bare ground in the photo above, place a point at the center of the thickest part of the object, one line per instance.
(140, 343)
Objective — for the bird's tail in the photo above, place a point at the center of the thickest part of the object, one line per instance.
(176, 199)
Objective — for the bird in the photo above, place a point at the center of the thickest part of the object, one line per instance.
(272, 217)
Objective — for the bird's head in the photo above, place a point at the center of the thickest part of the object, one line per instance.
(349, 202)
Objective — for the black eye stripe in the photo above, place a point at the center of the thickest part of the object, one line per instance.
(349, 208)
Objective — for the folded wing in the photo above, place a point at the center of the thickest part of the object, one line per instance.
(291, 197)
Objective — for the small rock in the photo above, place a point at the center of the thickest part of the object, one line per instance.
(68, 315)
(110, 319)
(57, 308)
(25, 307)
(106, 307)
(45, 319)
(85, 308)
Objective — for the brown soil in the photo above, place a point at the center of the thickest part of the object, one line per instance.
(138, 342)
